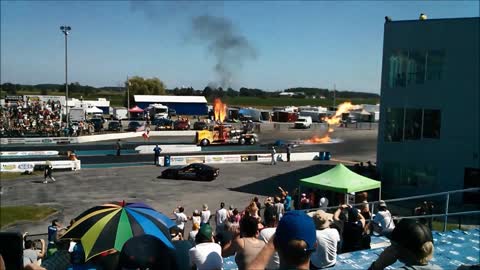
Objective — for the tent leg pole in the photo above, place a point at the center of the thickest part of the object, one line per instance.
(380, 193)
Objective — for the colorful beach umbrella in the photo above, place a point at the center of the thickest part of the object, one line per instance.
(107, 227)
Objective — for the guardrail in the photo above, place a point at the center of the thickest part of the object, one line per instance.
(445, 215)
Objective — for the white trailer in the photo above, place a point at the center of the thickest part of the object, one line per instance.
(77, 114)
(120, 113)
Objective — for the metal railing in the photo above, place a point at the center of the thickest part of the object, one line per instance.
(445, 215)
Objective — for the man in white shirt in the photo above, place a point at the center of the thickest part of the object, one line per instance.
(325, 254)
(221, 218)
(206, 254)
(383, 221)
(180, 218)
(265, 235)
(205, 215)
(323, 203)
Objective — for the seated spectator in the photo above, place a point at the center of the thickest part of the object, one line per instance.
(353, 229)
(60, 260)
(31, 254)
(245, 245)
(328, 238)
(304, 201)
(206, 254)
(294, 240)
(383, 222)
(412, 244)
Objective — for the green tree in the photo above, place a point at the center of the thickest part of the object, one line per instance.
(140, 86)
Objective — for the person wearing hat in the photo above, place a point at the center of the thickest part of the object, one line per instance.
(383, 220)
(327, 241)
(412, 244)
(206, 254)
(205, 215)
(294, 240)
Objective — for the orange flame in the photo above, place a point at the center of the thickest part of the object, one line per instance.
(220, 110)
(316, 139)
(333, 120)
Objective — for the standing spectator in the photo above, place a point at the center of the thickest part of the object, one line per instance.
(279, 208)
(323, 202)
(206, 255)
(257, 202)
(272, 153)
(353, 229)
(180, 218)
(118, 147)
(328, 239)
(235, 218)
(269, 212)
(304, 201)
(289, 150)
(287, 199)
(48, 172)
(157, 150)
(205, 215)
(220, 218)
(53, 236)
(245, 245)
(196, 217)
(30, 254)
(265, 235)
(193, 233)
(383, 220)
(294, 240)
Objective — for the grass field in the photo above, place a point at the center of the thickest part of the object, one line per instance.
(15, 175)
(116, 100)
(13, 214)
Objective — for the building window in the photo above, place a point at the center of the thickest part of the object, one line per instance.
(435, 63)
(397, 69)
(431, 124)
(409, 175)
(394, 125)
(414, 67)
(413, 124)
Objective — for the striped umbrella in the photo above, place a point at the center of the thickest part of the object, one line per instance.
(107, 227)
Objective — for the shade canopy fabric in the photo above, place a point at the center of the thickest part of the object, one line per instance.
(93, 109)
(340, 179)
(136, 109)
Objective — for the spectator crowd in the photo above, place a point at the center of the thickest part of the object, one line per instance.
(263, 235)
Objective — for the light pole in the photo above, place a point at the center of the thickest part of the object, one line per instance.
(128, 98)
(66, 30)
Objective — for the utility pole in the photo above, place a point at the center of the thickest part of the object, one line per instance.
(128, 98)
(334, 95)
(66, 30)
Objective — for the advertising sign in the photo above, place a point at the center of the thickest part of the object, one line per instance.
(178, 161)
(264, 158)
(25, 166)
(245, 158)
(30, 153)
(223, 159)
(197, 159)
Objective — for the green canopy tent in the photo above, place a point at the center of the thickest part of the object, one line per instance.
(342, 180)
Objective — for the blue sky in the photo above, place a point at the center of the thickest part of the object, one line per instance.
(297, 43)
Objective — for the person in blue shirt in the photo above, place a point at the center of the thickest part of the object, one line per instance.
(287, 199)
(157, 150)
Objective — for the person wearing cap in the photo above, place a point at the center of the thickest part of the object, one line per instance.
(412, 244)
(353, 230)
(294, 240)
(383, 220)
(327, 241)
(206, 254)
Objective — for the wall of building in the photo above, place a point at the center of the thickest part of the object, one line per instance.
(411, 163)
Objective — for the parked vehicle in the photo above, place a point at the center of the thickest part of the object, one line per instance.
(194, 171)
(97, 124)
(162, 124)
(77, 114)
(200, 125)
(157, 111)
(181, 125)
(303, 122)
(133, 126)
(114, 126)
(120, 113)
(172, 112)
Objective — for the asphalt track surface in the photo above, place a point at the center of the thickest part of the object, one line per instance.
(74, 192)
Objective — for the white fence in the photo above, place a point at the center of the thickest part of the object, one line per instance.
(23, 166)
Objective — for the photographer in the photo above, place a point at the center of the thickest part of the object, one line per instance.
(31, 254)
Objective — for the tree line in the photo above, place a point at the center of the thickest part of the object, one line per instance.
(153, 86)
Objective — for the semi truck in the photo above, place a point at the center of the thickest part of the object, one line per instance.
(225, 134)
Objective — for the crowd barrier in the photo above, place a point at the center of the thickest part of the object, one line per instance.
(30, 165)
(94, 138)
(28, 153)
(238, 158)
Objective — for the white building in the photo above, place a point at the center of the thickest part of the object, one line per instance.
(428, 138)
